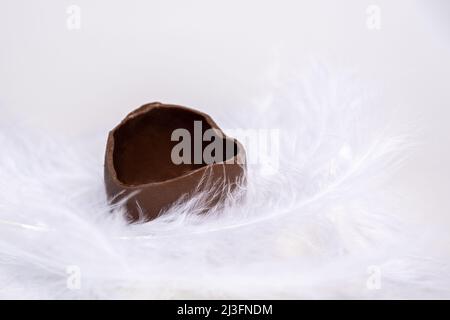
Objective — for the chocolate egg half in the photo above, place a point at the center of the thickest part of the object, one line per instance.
(147, 171)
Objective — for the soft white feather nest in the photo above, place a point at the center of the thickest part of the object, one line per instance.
(312, 230)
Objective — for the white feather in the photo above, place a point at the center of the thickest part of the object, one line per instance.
(311, 230)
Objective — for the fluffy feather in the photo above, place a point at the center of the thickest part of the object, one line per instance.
(316, 228)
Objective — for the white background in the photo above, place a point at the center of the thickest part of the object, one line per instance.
(210, 54)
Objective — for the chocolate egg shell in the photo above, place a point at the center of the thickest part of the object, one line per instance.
(140, 172)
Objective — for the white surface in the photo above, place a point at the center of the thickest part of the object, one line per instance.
(212, 54)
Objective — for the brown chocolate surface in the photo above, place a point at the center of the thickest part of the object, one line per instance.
(138, 164)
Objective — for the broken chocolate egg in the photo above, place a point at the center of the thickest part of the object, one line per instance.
(162, 153)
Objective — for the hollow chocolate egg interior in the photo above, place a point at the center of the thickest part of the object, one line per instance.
(143, 146)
